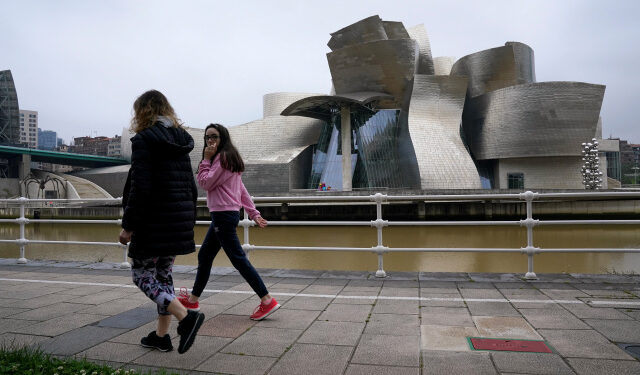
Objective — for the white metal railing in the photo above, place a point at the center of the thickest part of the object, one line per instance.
(379, 223)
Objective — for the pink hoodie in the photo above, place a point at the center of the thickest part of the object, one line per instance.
(225, 190)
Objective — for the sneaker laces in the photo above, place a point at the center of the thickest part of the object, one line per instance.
(261, 307)
(184, 293)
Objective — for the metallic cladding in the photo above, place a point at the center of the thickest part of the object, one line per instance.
(395, 30)
(434, 126)
(532, 120)
(442, 65)
(425, 61)
(381, 66)
(366, 30)
(525, 62)
(496, 68)
(274, 103)
(9, 110)
(322, 106)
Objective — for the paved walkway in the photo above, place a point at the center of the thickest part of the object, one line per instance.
(331, 322)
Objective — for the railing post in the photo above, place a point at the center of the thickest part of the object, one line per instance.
(246, 223)
(125, 262)
(379, 224)
(529, 222)
(22, 220)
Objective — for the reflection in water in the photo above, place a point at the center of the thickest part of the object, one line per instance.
(565, 236)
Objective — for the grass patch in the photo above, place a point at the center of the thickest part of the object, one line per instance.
(29, 361)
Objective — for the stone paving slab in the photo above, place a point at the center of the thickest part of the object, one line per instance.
(388, 350)
(333, 333)
(393, 324)
(381, 370)
(346, 313)
(552, 318)
(318, 360)
(114, 352)
(264, 342)
(604, 366)
(225, 325)
(435, 337)
(505, 327)
(59, 325)
(617, 330)
(132, 318)
(444, 362)
(446, 316)
(530, 363)
(78, 340)
(582, 344)
(237, 364)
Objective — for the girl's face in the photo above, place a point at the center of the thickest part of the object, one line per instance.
(212, 136)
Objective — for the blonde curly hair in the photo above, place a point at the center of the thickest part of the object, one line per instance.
(148, 107)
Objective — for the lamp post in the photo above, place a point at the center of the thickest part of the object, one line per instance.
(591, 174)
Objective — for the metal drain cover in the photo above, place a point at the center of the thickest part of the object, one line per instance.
(531, 346)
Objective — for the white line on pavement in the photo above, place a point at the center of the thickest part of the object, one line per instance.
(631, 302)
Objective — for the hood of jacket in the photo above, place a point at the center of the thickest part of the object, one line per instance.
(168, 138)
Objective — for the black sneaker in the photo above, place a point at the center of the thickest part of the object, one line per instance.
(188, 328)
(156, 342)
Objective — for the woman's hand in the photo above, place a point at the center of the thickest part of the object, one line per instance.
(125, 236)
(209, 151)
(261, 222)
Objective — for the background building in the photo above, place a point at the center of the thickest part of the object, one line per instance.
(399, 118)
(29, 128)
(9, 110)
(47, 139)
(114, 148)
(90, 145)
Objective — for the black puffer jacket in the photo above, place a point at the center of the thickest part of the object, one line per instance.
(160, 194)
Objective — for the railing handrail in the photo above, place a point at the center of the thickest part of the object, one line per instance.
(378, 199)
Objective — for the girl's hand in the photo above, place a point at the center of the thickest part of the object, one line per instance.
(209, 151)
(261, 222)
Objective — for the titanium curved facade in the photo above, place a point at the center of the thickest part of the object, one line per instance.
(9, 110)
(496, 68)
(442, 65)
(366, 30)
(434, 124)
(425, 61)
(384, 66)
(274, 103)
(533, 120)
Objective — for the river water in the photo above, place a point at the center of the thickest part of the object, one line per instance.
(562, 236)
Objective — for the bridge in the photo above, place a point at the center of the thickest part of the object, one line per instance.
(20, 157)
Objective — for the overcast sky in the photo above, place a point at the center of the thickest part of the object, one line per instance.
(81, 64)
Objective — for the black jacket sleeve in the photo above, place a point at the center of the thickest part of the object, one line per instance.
(140, 180)
(194, 190)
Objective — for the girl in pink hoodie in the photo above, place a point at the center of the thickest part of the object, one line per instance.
(220, 174)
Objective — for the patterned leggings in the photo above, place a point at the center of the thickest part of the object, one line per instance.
(153, 277)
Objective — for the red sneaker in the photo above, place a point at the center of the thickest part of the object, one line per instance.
(184, 300)
(262, 311)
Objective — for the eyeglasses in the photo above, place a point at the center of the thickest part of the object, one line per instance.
(213, 136)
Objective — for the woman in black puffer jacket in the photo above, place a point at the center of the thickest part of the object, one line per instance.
(159, 202)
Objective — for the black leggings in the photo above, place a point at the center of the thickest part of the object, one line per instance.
(222, 232)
